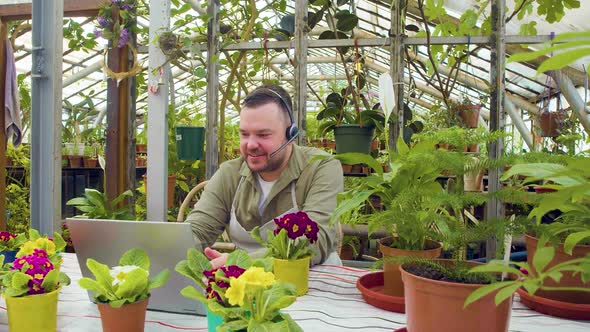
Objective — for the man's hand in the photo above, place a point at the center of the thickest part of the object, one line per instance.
(217, 259)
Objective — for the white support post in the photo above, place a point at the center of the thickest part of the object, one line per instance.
(157, 124)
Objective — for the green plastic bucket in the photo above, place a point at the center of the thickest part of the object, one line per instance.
(353, 138)
(190, 142)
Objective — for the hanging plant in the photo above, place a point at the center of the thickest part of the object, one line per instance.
(115, 23)
(116, 30)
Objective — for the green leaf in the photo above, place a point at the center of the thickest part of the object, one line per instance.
(137, 257)
(50, 280)
(563, 59)
(192, 293)
(20, 280)
(197, 261)
(78, 201)
(101, 273)
(159, 280)
(573, 239)
(346, 21)
(183, 268)
(542, 258)
(240, 258)
(93, 286)
(485, 290)
(135, 283)
(402, 147)
(506, 292)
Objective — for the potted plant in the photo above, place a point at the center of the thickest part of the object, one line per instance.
(550, 123)
(214, 282)
(9, 245)
(410, 209)
(90, 157)
(570, 232)
(288, 245)
(233, 292)
(32, 285)
(122, 292)
(468, 112)
(95, 205)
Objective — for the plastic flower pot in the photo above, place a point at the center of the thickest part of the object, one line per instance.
(9, 256)
(353, 138)
(293, 271)
(213, 321)
(190, 142)
(32, 313)
(128, 318)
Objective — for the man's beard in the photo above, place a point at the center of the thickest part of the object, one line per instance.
(272, 164)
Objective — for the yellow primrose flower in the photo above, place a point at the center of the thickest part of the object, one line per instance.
(41, 243)
(46, 244)
(255, 276)
(236, 291)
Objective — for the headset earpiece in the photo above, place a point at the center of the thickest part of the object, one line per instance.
(292, 131)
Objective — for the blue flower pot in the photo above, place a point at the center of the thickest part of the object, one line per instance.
(9, 256)
(213, 321)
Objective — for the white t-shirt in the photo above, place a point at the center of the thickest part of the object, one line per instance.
(266, 186)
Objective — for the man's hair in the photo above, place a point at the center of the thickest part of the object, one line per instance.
(270, 93)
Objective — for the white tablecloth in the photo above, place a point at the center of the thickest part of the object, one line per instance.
(332, 304)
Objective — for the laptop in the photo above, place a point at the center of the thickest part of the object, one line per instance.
(166, 243)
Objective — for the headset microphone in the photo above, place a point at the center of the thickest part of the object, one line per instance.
(284, 145)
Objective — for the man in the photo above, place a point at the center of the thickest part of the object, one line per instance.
(273, 176)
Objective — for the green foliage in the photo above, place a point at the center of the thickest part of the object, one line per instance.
(95, 205)
(281, 246)
(572, 197)
(17, 190)
(75, 126)
(16, 283)
(127, 283)
(77, 39)
(530, 279)
(554, 10)
(410, 194)
(573, 46)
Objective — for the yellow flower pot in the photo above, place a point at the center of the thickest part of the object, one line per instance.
(293, 271)
(32, 313)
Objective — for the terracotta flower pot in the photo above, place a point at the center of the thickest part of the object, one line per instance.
(140, 148)
(434, 306)
(550, 123)
(346, 169)
(293, 271)
(75, 161)
(469, 113)
(90, 162)
(128, 318)
(392, 280)
(567, 280)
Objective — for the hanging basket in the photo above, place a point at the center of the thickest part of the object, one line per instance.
(550, 123)
(469, 113)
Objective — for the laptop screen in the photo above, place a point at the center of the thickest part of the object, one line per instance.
(166, 243)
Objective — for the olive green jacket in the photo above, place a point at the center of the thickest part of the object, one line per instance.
(317, 184)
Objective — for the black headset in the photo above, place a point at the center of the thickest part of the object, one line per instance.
(292, 130)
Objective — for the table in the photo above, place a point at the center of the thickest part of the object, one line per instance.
(332, 304)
